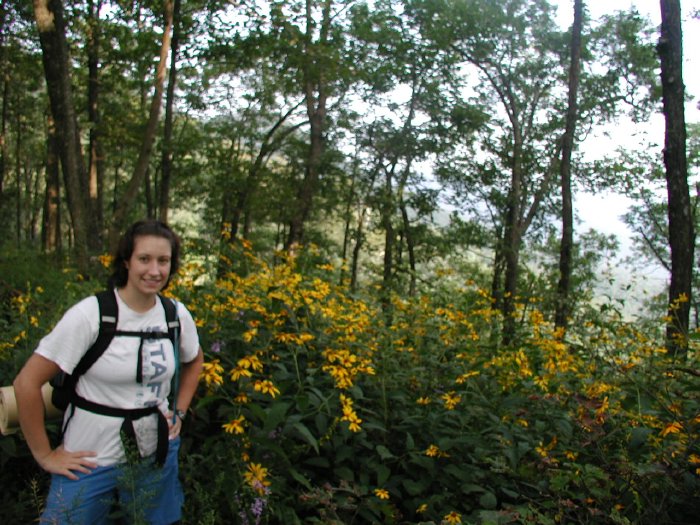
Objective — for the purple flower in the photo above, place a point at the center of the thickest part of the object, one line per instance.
(216, 346)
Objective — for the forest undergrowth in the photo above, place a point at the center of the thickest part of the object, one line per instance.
(322, 406)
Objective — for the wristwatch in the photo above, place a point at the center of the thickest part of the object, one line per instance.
(181, 414)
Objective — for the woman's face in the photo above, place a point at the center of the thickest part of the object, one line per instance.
(149, 265)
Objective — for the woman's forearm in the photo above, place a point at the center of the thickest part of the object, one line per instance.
(30, 406)
(189, 379)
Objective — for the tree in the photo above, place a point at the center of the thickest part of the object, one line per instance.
(567, 235)
(680, 221)
(96, 152)
(142, 162)
(316, 70)
(52, 35)
(167, 153)
(519, 69)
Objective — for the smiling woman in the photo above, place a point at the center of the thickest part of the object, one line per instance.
(119, 424)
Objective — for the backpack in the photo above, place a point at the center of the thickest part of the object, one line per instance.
(64, 384)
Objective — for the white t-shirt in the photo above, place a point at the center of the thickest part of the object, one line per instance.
(111, 381)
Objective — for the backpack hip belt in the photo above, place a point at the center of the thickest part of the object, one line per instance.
(130, 415)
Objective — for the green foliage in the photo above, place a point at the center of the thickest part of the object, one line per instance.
(319, 407)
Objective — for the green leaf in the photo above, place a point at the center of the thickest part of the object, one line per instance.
(307, 435)
(415, 488)
(298, 476)
(384, 452)
(275, 415)
(410, 443)
(471, 488)
(383, 474)
(488, 501)
(344, 473)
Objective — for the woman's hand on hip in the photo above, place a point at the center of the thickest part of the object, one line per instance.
(60, 461)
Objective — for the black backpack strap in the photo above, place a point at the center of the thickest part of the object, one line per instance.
(171, 317)
(173, 320)
(109, 315)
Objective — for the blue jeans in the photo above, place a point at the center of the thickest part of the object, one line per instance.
(140, 493)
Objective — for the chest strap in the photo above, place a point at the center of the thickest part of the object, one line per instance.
(130, 415)
(139, 354)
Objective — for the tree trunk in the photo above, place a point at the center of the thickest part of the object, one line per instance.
(316, 95)
(96, 153)
(127, 200)
(407, 234)
(51, 27)
(512, 237)
(51, 224)
(18, 176)
(410, 247)
(167, 158)
(272, 141)
(359, 240)
(387, 211)
(5, 106)
(680, 220)
(3, 134)
(563, 306)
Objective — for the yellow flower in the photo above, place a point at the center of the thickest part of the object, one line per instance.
(349, 414)
(434, 451)
(250, 334)
(239, 372)
(423, 401)
(266, 387)
(451, 400)
(241, 398)
(381, 493)
(463, 378)
(422, 508)
(672, 428)
(105, 260)
(211, 373)
(235, 426)
(250, 361)
(256, 477)
(453, 518)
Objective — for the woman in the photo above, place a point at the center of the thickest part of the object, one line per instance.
(90, 471)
